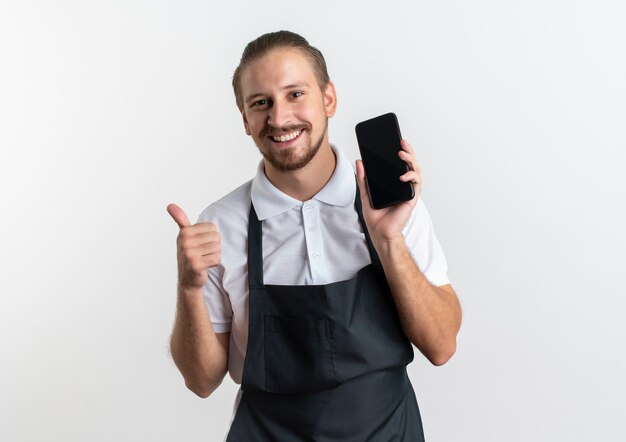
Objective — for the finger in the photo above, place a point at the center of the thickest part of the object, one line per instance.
(207, 237)
(190, 241)
(179, 215)
(211, 239)
(411, 176)
(410, 159)
(201, 229)
(211, 260)
(407, 146)
(205, 249)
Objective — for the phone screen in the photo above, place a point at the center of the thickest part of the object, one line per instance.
(379, 143)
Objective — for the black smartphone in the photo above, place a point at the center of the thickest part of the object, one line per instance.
(379, 143)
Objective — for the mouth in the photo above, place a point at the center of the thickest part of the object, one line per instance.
(285, 140)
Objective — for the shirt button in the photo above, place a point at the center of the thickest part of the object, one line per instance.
(316, 255)
(311, 227)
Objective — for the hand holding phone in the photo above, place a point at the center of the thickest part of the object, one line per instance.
(379, 144)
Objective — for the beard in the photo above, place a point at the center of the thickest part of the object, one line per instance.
(287, 160)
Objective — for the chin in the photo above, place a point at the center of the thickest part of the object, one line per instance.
(289, 160)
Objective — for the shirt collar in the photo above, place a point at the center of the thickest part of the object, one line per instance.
(268, 201)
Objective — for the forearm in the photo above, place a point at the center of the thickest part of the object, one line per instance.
(196, 349)
(430, 316)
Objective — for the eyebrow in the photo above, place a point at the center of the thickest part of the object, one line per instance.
(289, 86)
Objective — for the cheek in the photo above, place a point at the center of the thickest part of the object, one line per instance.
(255, 123)
(312, 112)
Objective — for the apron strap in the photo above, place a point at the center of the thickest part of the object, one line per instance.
(359, 210)
(255, 250)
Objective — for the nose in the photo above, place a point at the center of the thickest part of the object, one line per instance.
(279, 114)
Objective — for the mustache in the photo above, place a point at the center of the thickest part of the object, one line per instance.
(269, 131)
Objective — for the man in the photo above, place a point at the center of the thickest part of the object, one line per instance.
(293, 283)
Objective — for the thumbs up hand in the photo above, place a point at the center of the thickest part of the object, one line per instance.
(198, 248)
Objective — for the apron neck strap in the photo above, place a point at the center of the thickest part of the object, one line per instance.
(255, 250)
(359, 210)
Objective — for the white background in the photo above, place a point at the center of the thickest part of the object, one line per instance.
(111, 110)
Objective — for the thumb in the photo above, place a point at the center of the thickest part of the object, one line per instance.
(179, 215)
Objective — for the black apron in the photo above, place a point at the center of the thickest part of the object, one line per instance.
(324, 362)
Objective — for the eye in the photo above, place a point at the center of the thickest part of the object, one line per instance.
(260, 103)
(297, 94)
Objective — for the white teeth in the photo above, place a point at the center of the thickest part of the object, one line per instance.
(288, 137)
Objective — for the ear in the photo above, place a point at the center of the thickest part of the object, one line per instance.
(330, 99)
(245, 123)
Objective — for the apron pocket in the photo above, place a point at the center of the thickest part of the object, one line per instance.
(298, 355)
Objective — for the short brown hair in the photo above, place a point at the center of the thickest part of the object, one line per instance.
(266, 42)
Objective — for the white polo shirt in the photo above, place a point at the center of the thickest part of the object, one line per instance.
(319, 241)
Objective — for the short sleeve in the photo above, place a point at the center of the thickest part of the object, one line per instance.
(216, 298)
(217, 302)
(424, 248)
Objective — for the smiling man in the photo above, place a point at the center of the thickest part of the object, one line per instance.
(311, 299)
(285, 109)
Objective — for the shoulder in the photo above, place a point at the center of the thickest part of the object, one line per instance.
(230, 216)
(230, 210)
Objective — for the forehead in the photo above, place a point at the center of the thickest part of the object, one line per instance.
(278, 68)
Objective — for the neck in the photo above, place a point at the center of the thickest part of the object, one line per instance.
(304, 183)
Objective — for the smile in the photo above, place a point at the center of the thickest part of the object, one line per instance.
(287, 137)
